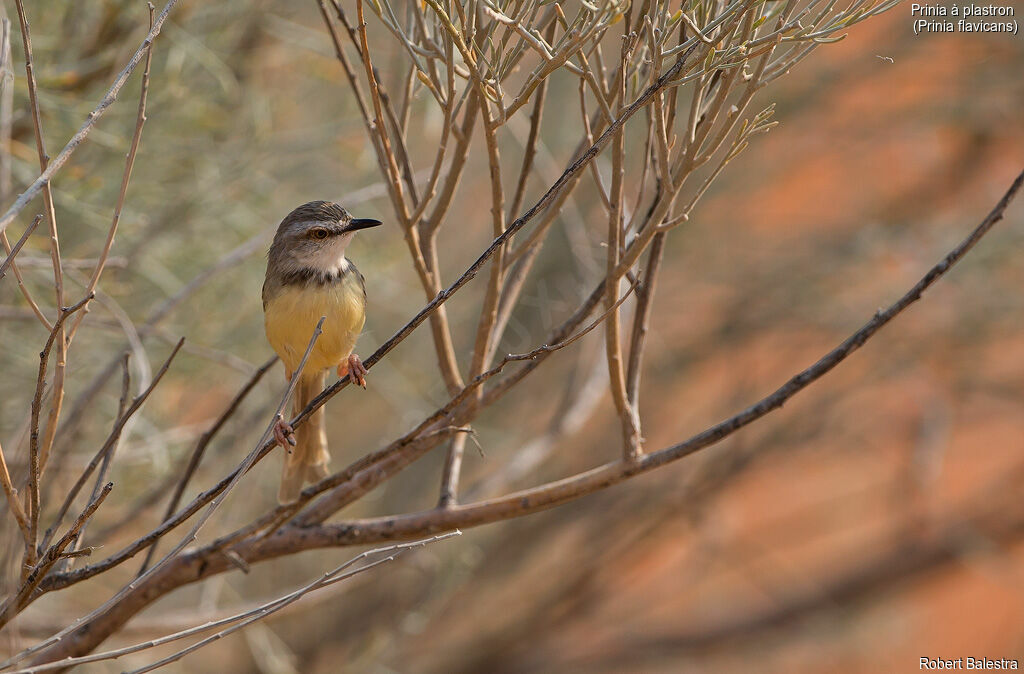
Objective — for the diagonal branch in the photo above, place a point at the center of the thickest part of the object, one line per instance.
(237, 475)
(110, 444)
(129, 164)
(12, 500)
(200, 449)
(20, 600)
(13, 252)
(561, 491)
(62, 157)
(336, 575)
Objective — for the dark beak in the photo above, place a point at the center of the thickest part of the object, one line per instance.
(362, 223)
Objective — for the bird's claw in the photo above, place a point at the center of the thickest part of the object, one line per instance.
(283, 433)
(354, 367)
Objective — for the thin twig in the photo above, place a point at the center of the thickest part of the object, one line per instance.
(258, 613)
(628, 418)
(140, 120)
(6, 105)
(451, 470)
(62, 157)
(16, 603)
(12, 500)
(242, 469)
(394, 182)
(35, 471)
(57, 396)
(110, 443)
(101, 475)
(200, 450)
(642, 319)
(13, 252)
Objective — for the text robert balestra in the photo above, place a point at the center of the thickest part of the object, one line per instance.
(967, 663)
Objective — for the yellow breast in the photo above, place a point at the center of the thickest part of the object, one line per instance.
(291, 314)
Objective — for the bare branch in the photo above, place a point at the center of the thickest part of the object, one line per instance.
(58, 162)
(57, 397)
(15, 604)
(12, 500)
(243, 468)
(111, 442)
(13, 252)
(35, 467)
(140, 120)
(248, 617)
(200, 449)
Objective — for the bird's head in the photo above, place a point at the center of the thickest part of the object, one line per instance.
(315, 236)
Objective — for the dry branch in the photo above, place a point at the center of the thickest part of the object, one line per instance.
(62, 157)
(464, 56)
(248, 617)
(207, 561)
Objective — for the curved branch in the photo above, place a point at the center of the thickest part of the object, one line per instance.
(208, 560)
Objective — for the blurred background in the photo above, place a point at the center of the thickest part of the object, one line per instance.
(876, 519)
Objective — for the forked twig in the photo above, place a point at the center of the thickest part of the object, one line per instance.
(200, 450)
(331, 577)
(242, 469)
(62, 157)
(110, 443)
(54, 554)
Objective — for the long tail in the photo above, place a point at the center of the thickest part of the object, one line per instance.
(308, 459)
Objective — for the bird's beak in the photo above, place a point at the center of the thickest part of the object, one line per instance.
(362, 223)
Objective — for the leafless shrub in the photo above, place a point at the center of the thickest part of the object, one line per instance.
(664, 100)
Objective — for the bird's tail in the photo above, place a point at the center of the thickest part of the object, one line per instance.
(307, 460)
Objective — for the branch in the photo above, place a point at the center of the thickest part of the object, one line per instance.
(108, 457)
(568, 489)
(628, 418)
(12, 500)
(336, 575)
(243, 468)
(19, 601)
(35, 469)
(57, 162)
(641, 320)
(200, 450)
(13, 252)
(111, 442)
(57, 399)
(140, 121)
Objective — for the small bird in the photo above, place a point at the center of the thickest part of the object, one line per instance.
(308, 276)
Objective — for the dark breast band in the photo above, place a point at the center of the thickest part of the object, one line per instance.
(308, 276)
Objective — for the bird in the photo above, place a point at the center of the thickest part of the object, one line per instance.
(309, 277)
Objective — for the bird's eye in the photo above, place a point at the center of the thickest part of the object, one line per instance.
(319, 233)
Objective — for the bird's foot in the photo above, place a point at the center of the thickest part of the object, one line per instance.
(354, 367)
(283, 433)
